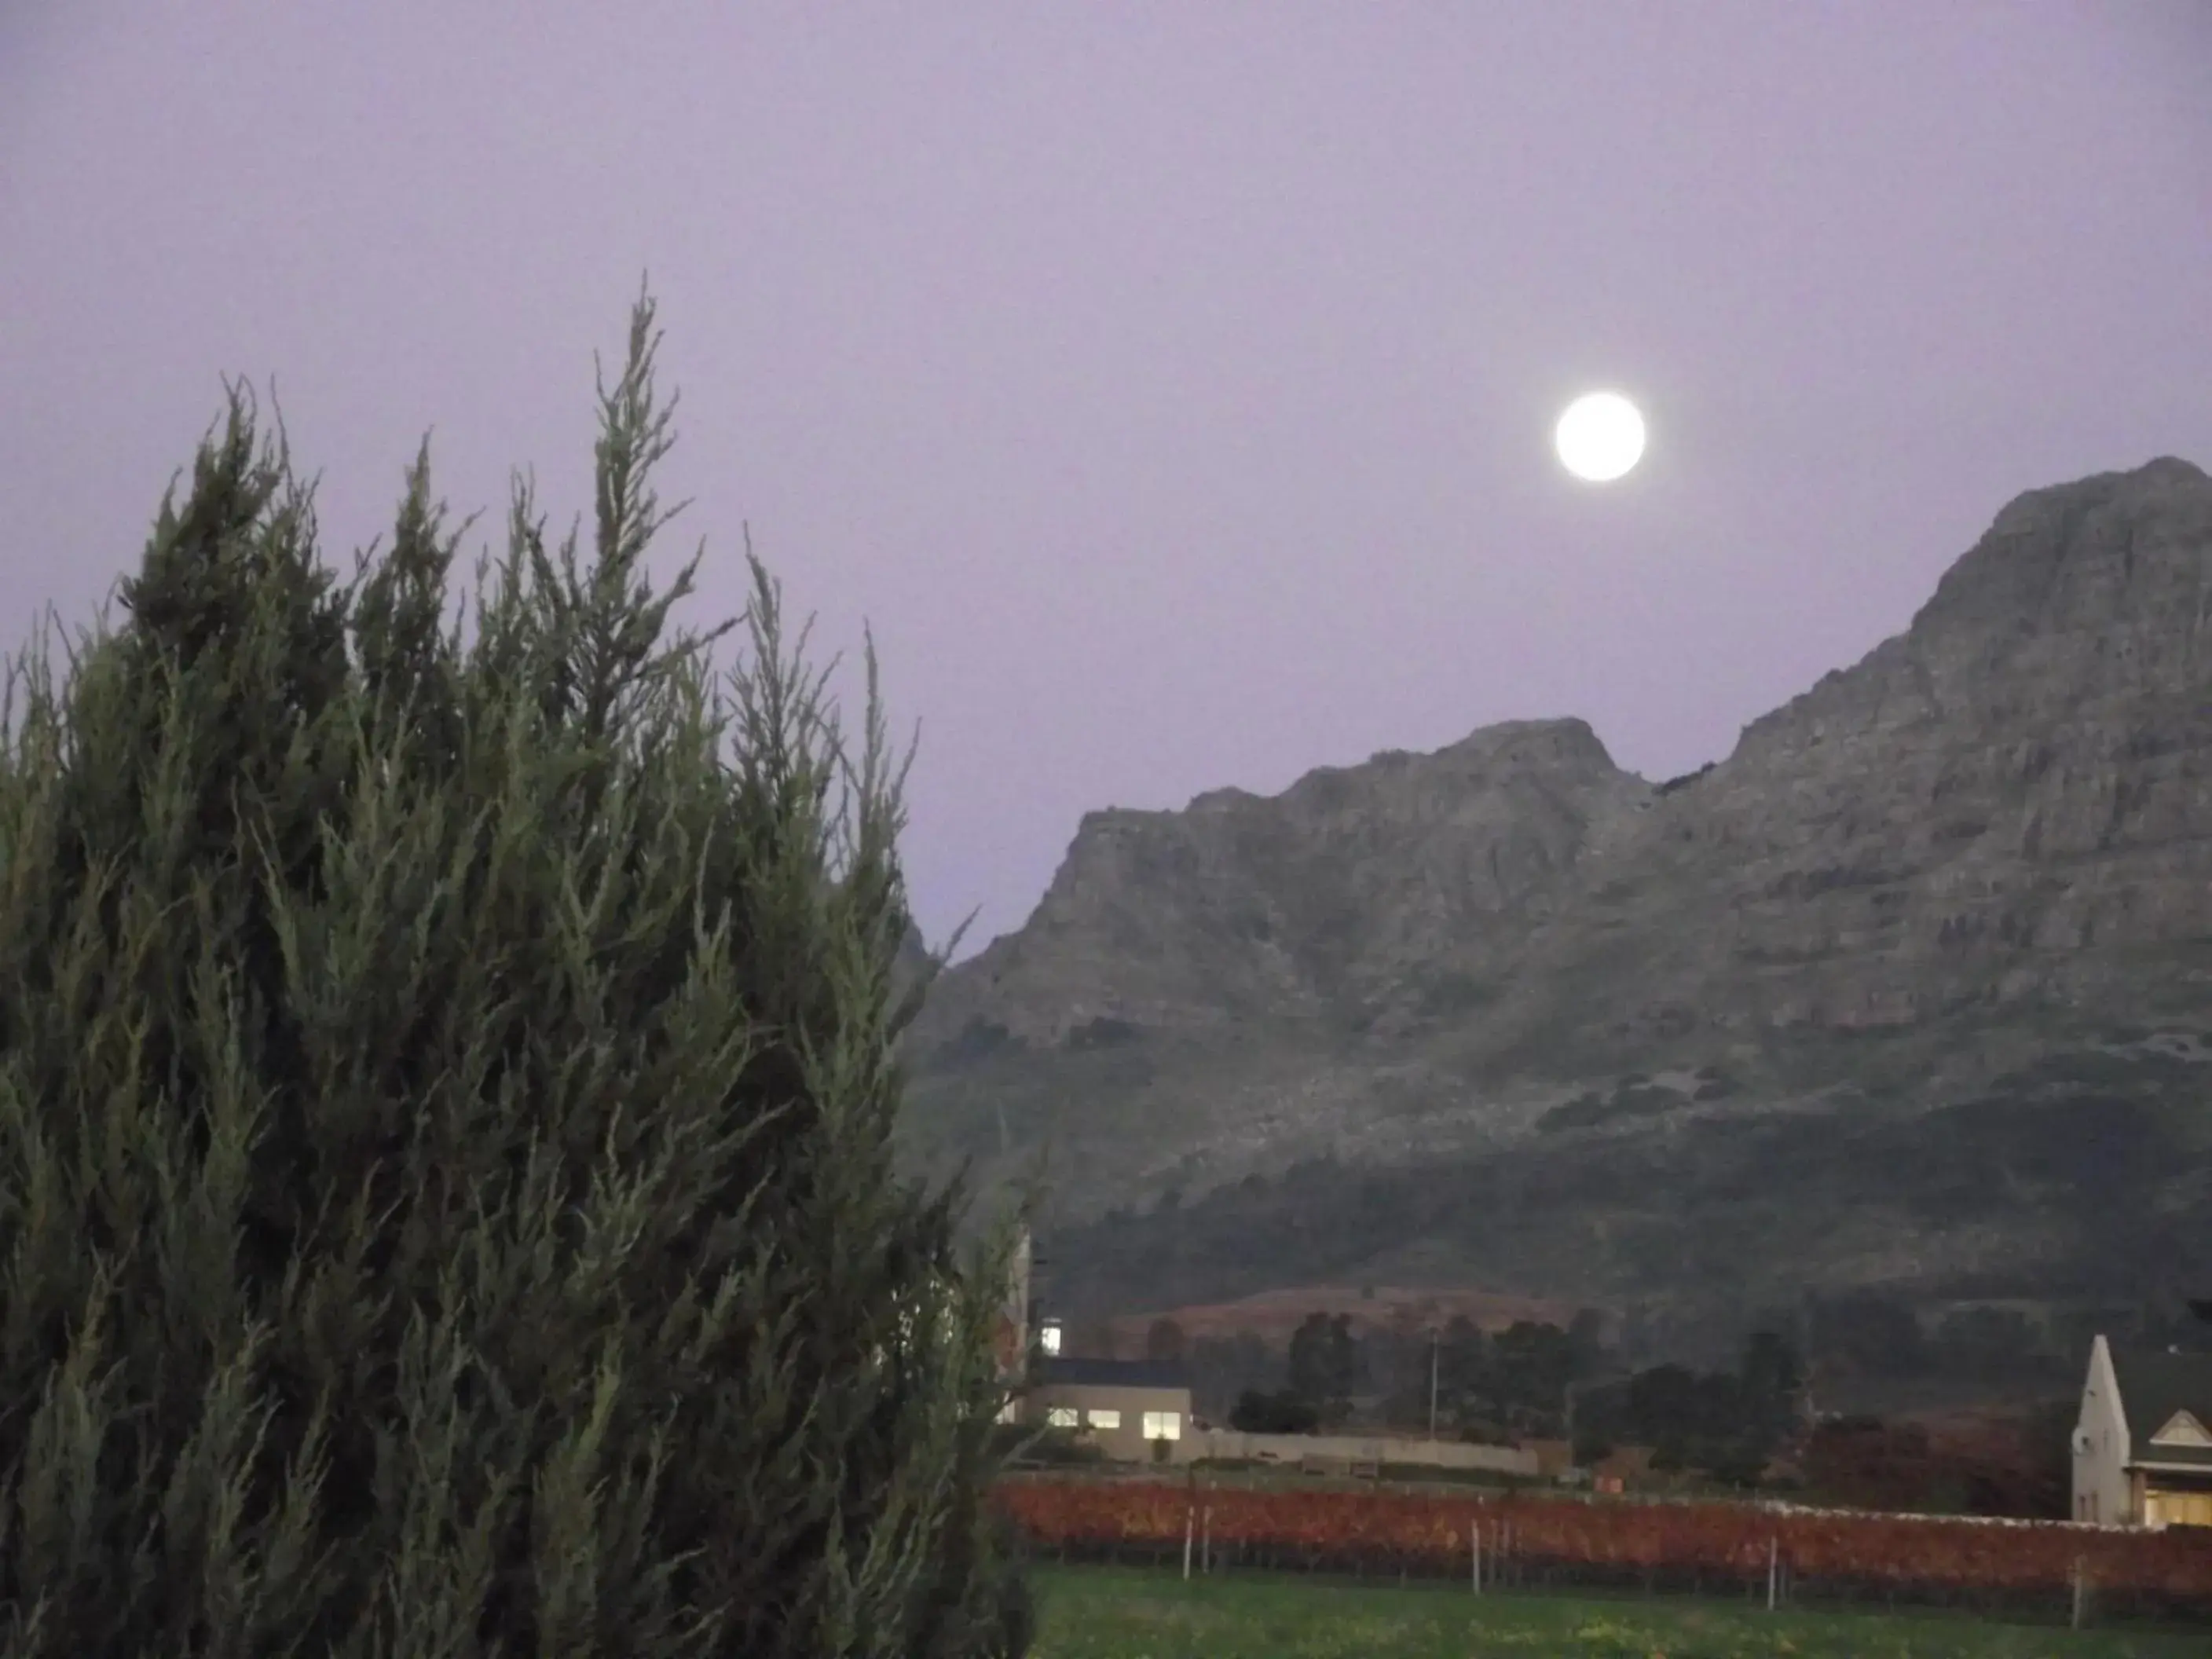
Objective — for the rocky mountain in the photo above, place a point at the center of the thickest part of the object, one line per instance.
(1914, 989)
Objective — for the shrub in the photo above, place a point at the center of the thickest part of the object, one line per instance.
(1286, 1413)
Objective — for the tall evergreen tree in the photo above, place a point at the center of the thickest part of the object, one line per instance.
(446, 1084)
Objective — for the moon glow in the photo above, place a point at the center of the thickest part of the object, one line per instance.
(1600, 437)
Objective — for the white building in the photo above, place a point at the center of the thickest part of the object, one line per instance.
(2142, 1444)
(1121, 1406)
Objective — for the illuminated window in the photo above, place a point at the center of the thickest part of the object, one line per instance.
(1061, 1417)
(1048, 1337)
(1010, 1412)
(1105, 1419)
(1162, 1425)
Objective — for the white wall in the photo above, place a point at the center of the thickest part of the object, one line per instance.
(1126, 1443)
(2100, 1446)
(1355, 1449)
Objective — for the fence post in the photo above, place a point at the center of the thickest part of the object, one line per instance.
(2081, 1588)
(1474, 1552)
(1189, 1516)
(1206, 1548)
(1773, 1556)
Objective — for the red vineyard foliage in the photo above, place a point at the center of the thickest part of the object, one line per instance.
(1901, 1550)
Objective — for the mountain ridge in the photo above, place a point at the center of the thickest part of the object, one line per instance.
(1984, 848)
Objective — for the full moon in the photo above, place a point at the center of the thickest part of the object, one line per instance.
(1600, 437)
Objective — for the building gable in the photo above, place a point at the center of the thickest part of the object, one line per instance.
(2170, 1394)
(2182, 1429)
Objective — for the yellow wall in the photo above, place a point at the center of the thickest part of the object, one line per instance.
(2178, 1509)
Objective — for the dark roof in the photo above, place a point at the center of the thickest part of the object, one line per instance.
(2153, 1388)
(1112, 1373)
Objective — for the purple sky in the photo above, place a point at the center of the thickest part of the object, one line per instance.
(1170, 385)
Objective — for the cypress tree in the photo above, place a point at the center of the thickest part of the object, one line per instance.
(446, 1077)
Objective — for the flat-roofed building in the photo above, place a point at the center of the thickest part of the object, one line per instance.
(1123, 1405)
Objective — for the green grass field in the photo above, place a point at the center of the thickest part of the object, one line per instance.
(1114, 1612)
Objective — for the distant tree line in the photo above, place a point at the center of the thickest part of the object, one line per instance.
(1727, 1424)
(1531, 1381)
(1513, 1382)
(1750, 1421)
(2019, 1465)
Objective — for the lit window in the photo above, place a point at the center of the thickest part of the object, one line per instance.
(1048, 1337)
(1105, 1419)
(1162, 1425)
(1061, 1417)
(1010, 1412)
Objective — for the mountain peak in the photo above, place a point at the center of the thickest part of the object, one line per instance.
(2114, 550)
(2157, 485)
(1535, 742)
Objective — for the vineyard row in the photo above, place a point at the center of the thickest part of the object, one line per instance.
(1442, 1533)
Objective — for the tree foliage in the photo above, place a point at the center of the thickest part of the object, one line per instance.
(1285, 1411)
(1324, 1366)
(1164, 1342)
(445, 1086)
(1727, 1423)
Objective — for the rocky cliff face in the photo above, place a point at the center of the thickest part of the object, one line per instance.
(1983, 851)
(2007, 803)
(1313, 902)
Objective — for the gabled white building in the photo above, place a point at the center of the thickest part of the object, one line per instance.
(2142, 1444)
